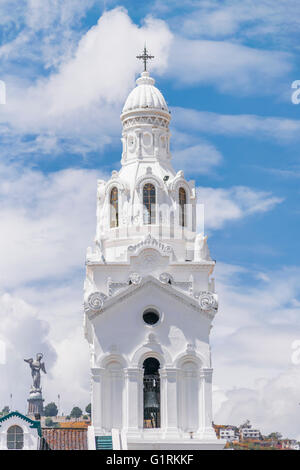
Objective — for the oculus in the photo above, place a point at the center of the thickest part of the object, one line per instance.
(151, 317)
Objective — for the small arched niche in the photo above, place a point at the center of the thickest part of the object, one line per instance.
(182, 206)
(149, 204)
(114, 207)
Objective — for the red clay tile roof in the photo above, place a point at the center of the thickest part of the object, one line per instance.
(64, 439)
(74, 424)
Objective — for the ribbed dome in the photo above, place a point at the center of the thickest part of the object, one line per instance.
(145, 95)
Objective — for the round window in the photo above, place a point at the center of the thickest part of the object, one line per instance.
(151, 317)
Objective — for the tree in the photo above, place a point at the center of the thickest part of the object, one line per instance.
(51, 409)
(276, 436)
(5, 410)
(88, 409)
(51, 424)
(76, 412)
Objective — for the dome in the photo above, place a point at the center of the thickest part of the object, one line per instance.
(145, 95)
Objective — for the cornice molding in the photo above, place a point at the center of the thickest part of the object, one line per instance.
(147, 281)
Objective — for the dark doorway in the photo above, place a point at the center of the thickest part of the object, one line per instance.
(151, 393)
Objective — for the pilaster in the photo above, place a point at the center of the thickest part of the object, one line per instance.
(97, 397)
(133, 410)
(169, 405)
(205, 428)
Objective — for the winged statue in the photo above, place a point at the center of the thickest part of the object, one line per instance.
(36, 365)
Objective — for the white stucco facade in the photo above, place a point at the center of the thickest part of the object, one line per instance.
(150, 260)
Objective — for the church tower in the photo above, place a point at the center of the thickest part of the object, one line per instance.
(149, 299)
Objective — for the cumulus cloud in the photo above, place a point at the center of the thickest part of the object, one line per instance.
(271, 405)
(83, 98)
(82, 95)
(48, 319)
(253, 341)
(47, 223)
(71, 367)
(50, 218)
(24, 334)
(222, 205)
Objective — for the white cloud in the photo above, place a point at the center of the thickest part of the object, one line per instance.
(281, 129)
(82, 100)
(82, 96)
(223, 205)
(49, 220)
(24, 334)
(46, 223)
(48, 321)
(205, 158)
(277, 20)
(40, 31)
(229, 66)
(252, 339)
(271, 405)
(71, 367)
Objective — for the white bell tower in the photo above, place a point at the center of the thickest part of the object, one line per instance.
(149, 298)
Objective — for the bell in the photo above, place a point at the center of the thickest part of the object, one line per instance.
(150, 401)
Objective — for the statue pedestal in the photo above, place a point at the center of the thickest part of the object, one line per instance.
(35, 403)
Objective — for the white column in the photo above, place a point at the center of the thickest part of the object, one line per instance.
(3, 440)
(156, 133)
(205, 404)
(133, 412)
(191, 399)
(138, 133)
(97, 397)
(26, 445)
(169, 405)
(163, 399)
(116, 382)
(124, 147)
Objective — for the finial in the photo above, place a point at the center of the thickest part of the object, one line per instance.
(144, 57)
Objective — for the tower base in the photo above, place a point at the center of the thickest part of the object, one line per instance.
(35, 404)
(153, 440)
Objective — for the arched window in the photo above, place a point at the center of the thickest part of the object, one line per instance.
(182, 207)
(15, 438)
(149, 200)
(114, 208)
(151, 393)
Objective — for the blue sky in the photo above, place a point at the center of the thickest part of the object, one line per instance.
(225, 69)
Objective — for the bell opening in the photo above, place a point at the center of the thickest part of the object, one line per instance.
(151, 393)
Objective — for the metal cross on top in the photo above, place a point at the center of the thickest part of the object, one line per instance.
(144, 57)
